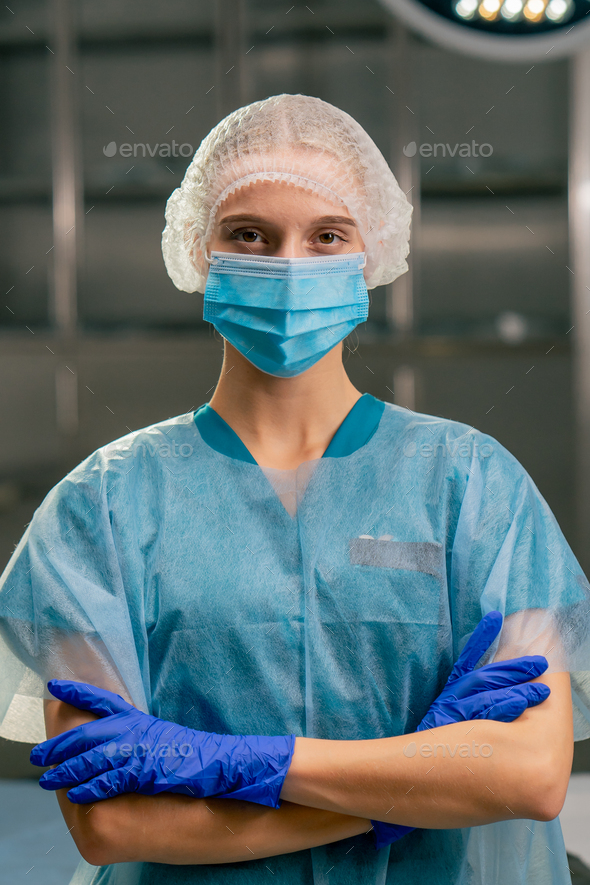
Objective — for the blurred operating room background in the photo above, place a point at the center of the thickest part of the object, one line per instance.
(102, 106)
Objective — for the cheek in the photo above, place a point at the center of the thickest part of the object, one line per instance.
(356, 242)
(214, 243)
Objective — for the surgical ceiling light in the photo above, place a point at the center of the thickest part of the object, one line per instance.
(505, 30)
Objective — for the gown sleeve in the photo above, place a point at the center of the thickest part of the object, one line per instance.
(64, 610)
(509, 554)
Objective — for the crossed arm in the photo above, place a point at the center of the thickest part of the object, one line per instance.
(334, 788)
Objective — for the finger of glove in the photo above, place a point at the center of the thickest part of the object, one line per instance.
(81, 768)
(505, 705)
(500, 674)
(105, 786)
(529, 666)
(88, 697)
(83, 737)
(478, 643)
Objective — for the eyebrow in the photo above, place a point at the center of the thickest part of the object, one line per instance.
(258, 219)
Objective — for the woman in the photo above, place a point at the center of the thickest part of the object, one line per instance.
(278, 564)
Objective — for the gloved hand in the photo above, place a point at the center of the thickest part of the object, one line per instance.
(127, 751)
(491, 692)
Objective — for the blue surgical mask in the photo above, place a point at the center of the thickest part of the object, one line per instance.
(285, 314)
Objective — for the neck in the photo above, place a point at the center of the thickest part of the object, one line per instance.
(284, 421)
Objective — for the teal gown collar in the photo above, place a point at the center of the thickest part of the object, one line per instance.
(355, 431)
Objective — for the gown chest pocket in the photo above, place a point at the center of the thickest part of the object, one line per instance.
(399, 580)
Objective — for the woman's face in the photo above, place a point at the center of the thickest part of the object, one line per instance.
(277, 218)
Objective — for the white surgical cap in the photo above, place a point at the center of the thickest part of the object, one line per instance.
(308, 143)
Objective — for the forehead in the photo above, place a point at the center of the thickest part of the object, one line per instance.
(279, 200)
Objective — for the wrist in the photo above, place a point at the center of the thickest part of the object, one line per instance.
(259, 767)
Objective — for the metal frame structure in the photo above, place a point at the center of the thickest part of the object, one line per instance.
(68, 214)
(579, 219)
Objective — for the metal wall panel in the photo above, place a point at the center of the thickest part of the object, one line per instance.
(28, 412)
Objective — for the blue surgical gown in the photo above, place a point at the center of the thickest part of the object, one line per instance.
(329, 601)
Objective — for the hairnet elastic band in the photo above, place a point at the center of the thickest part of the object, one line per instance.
(270, 175)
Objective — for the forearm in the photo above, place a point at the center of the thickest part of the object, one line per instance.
(523, 774)
(375, 778)
(176, 829)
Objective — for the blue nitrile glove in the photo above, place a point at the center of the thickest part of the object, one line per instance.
(491, 692)
(127, 751)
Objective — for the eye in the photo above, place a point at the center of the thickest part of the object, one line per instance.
(249, 236)
(246, 236)
(330, 237)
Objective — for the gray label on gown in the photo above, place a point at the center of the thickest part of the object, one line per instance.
(416, 556)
